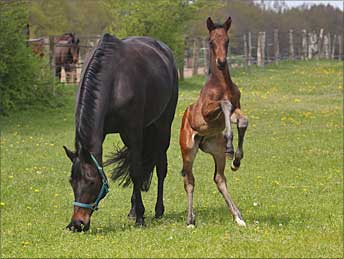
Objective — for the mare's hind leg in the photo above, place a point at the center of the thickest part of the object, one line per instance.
(133, 137)
(242, 124)
(226, 107)
(161, 169)
(132, 212)
(215, 146)
(189, 146)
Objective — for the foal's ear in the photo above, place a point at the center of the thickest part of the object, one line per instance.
(210, 24)
(70, 154)
(227, 23)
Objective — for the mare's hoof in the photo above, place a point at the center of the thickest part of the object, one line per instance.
(191, 226)
(140, 223)
(132, 214)
(159, 212)
(235, 165)
(158, 215)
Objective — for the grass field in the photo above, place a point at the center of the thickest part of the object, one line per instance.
(289, 188)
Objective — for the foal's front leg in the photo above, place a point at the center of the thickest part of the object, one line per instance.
(226, 107)
(242, 124)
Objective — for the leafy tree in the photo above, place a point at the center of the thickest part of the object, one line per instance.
(162, 19)
(22, 81)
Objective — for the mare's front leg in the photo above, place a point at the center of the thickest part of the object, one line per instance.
(226, 107)
(242, 124)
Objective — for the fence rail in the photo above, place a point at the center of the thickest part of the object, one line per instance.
(245, 49)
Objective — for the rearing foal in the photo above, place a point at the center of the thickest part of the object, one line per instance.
(206, 124)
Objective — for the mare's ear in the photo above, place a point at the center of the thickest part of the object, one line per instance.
(227, 23)
(210, 24)
(70, 154)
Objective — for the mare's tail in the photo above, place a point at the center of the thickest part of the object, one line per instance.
(122, 158)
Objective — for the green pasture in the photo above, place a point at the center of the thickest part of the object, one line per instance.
(289, 188)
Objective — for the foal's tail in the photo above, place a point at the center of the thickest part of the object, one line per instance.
(122, 158)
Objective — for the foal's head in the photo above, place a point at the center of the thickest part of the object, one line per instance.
(218, 41)
(86, 184)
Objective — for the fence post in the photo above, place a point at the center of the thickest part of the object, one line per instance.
(51, 60)
(326, 46)
(276, 46)
(195, 58)
(206, 57)
(321, 44)
(312, 46)
(245, 51)
(340, 46)
(263, 47)
(304, 45)
(249, 49)
(329, 45)
(291, 46)
(334, 46)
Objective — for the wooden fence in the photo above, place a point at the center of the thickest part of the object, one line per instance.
(245, 49)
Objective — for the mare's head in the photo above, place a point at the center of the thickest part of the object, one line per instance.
(87, 187)
(218, 41)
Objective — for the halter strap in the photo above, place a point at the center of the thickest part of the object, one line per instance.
(103, 191)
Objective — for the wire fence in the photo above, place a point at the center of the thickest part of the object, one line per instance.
(245, 49)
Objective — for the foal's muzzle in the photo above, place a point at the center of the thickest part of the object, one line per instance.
(78, 226)
(221, 64)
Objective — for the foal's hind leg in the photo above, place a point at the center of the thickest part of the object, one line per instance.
(226, 107)
(215, 146)
(242, 124)
(189, 146)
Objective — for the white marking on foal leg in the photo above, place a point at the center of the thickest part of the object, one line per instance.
(240, 222)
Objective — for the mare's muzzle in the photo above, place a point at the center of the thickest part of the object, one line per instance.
(79, 225)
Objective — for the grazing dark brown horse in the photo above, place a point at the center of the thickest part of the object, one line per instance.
(66, 53)
(206, 124)
(129, 87)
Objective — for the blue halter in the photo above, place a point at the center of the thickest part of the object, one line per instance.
(103, 191)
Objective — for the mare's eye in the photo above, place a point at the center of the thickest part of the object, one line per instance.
(211, 43)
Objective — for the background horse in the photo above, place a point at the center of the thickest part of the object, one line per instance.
(66, 53)
(206, 124)
(129, 87)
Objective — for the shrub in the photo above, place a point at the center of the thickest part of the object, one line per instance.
(24, 78)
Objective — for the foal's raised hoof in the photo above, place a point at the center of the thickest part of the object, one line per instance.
(235, 165)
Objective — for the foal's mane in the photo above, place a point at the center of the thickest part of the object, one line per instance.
(90, 86)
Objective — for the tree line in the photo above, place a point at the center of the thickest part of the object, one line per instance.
(170, 21)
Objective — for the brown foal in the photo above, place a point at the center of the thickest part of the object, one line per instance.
(206, 124)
